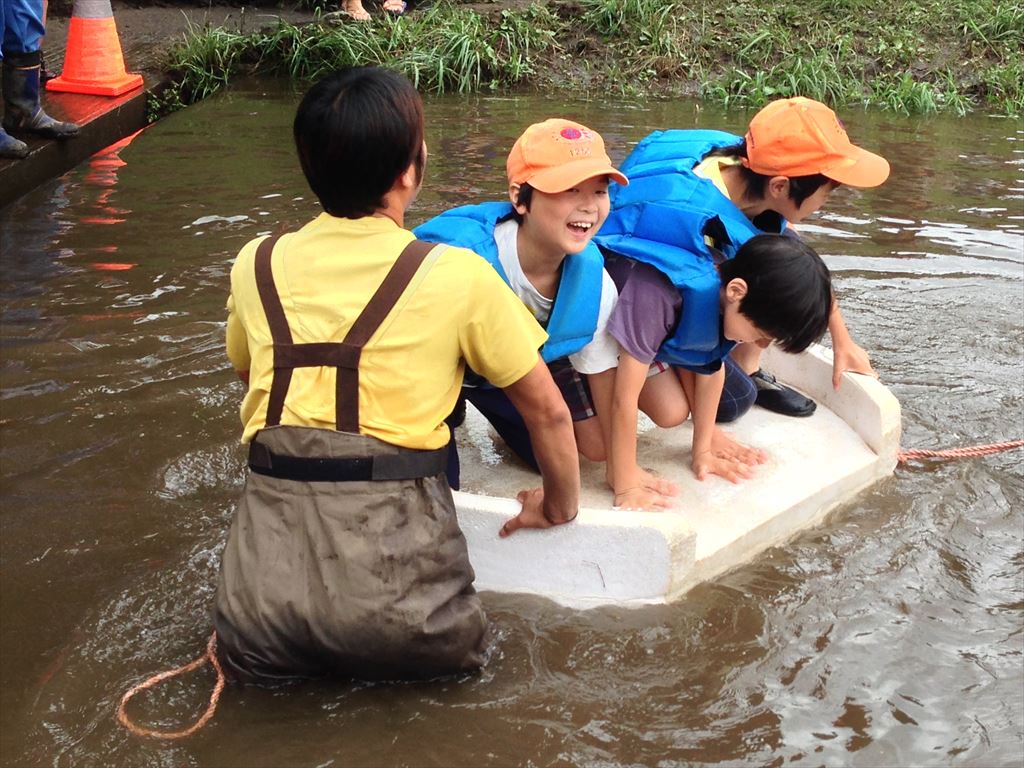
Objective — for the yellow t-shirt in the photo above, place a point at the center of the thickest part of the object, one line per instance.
(710, 168)
(457, 311)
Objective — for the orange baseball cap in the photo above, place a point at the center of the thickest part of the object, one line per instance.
(801, 137)
(556, 155)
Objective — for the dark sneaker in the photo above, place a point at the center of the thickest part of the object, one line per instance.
(780, 398)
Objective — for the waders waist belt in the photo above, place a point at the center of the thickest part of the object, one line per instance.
(407, 465)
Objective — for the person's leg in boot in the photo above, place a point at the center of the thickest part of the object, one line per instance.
(10, 147)
(23, 113)
(21, 30)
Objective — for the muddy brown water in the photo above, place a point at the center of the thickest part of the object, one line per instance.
(890, 635)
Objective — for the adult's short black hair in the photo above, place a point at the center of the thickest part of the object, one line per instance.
(800, 187)
(789, 289)
(356, 131)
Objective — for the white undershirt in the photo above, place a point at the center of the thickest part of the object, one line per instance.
(602, 352)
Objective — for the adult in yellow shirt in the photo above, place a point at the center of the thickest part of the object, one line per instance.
(345, 555)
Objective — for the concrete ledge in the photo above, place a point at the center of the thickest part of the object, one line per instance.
(103, 121)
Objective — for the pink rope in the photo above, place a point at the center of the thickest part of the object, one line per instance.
(209, 656)
(904, 457)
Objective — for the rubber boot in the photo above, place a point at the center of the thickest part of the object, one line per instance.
(11, 147)
(22, 112)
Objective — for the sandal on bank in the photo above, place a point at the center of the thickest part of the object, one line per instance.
(778, 397)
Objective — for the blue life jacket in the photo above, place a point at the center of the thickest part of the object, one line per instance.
(671, 239)
(577, 304)
(661, 219)
(660, 168)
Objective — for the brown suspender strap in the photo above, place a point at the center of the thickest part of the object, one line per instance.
(279, 330)
(344, 356)
(378, 308)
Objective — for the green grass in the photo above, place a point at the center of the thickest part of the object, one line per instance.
(441, 49)
(913, 56)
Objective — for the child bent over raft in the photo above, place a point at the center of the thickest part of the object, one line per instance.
(795, 153)
(688, 308)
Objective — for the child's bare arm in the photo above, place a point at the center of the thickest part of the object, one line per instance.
(634, 488)
(629, 380)
(602, 388)
(847, 355)
(714, 452)
(707, 392)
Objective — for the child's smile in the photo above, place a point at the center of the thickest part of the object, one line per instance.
(564, 222)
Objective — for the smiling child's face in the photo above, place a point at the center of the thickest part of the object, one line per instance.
(567, 221)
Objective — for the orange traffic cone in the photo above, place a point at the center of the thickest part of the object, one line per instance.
(93, 62)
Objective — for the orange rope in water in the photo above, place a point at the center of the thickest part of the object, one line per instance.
(904, 457)
(209, 656)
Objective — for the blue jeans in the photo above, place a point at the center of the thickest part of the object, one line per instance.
(22, 24)
(503, 416)
(738, 394)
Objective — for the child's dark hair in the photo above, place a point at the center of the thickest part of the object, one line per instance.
(800, 187)
(789, 289)
(357, 130)
(525, 197)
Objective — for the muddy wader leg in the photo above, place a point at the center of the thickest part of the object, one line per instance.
(22, 111)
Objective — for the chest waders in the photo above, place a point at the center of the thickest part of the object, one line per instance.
(345, 555)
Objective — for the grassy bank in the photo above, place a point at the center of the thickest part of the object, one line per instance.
(913, 56)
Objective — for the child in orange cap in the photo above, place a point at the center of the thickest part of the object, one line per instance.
(540, 244)
(795, 153)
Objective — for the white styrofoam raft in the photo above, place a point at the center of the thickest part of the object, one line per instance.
(610, 556)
